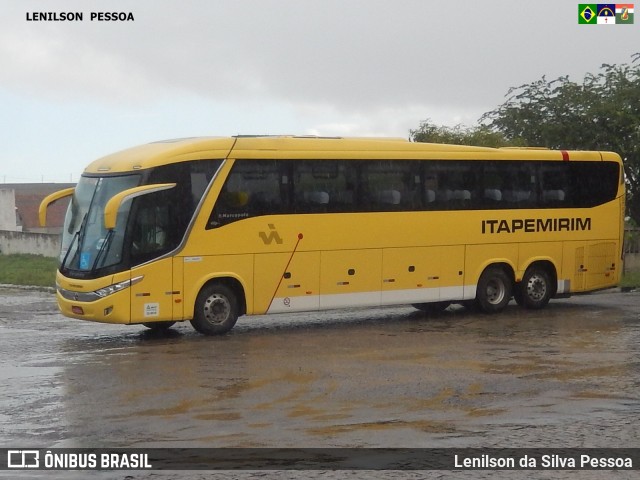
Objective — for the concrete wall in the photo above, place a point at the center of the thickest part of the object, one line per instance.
(44, 244)
(632, 262)
(7, 209)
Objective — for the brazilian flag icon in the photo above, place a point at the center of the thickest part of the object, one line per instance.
(588, 14)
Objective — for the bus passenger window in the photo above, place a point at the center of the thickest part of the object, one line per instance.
(453, 184)
(392, 185)
(322, 186)
(554, 185)
(593, 183)
(507, 184)
(251, 189)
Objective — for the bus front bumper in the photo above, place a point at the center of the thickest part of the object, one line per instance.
(108, 305)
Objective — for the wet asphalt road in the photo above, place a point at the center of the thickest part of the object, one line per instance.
(566, 376)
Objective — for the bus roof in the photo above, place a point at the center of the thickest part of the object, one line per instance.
(183, 149)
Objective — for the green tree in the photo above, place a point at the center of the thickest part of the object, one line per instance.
(601, 113)
(480, 135)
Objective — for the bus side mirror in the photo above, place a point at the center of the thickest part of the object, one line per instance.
(113, 205)
(48, 200)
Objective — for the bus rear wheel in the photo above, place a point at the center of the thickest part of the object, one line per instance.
(216, 310)
(494, 290)
(535, 288)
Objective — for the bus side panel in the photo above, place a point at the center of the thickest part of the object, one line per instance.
(350, 278)
(298, 284)
(479, 257)
(410, 275)
(574, 266)
(591, 266)
(533, 252)
(602, 264)
(422, 274)
(178, 288)
(198, 270)
(452, 277)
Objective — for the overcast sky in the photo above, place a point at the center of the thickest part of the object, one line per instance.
(71, 92)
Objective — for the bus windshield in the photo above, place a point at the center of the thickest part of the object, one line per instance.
(86, 244)
(147, 227)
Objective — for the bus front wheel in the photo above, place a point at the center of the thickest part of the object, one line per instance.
(494, 290)
(535, 288)
(216, 310)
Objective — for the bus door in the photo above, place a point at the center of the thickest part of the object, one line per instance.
(152, 296)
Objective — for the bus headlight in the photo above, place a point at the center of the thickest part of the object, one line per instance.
(116, 287)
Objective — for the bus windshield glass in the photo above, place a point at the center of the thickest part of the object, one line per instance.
(86, 244)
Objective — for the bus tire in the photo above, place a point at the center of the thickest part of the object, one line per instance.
(216, 310)
(535, 288)
(494, 290)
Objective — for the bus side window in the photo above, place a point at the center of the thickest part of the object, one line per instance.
(251, 189)
(554, 185)
(451, 184)
(508, 184)
(392, 185)
(593, 183)
(321, 186)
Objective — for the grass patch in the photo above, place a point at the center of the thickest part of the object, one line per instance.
(27, 269)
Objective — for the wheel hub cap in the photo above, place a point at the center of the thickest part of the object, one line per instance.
(536, 288)
(216, 309)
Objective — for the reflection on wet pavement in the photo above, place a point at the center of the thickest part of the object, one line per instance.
(561, 377)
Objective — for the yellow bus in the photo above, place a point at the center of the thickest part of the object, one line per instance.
(209, 229)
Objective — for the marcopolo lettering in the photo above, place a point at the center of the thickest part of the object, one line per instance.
(534, 225)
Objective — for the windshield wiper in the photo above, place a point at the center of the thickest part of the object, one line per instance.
(104, 249)
(76, 237)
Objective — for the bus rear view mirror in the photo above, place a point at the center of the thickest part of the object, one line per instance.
(48, 200)
(113, 205)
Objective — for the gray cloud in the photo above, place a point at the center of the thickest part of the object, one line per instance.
(357, 57)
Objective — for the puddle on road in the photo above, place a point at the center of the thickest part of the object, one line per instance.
(367, 377)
